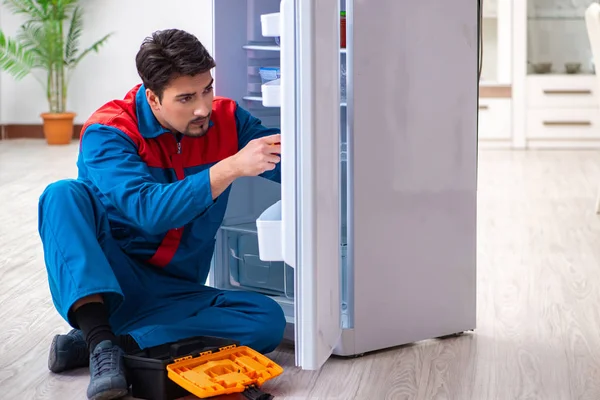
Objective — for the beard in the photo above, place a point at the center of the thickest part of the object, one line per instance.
(197, 127)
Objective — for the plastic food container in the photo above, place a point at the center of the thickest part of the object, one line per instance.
(343, 29)
(268, 74)
(270, 24)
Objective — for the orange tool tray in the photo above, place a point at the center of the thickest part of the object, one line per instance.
(232, 369)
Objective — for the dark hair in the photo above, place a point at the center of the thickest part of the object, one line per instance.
(169, 54)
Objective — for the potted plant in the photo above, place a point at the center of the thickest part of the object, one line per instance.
(48, 40)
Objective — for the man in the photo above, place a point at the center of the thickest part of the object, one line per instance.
(128, 244)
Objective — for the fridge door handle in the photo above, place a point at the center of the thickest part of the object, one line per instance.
(288, 131)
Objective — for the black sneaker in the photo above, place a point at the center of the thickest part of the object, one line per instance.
(68, 351)
(107, 373)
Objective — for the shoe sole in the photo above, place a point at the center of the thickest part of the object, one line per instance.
(111, 394)
(53, 358)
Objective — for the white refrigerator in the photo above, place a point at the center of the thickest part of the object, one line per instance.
(370, 240)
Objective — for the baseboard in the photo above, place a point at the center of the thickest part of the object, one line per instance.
(29, 131)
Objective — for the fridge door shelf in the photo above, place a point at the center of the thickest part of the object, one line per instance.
(268, 227)
(271, 93)
(270, 25)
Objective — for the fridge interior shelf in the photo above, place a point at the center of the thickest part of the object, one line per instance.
(247, 270)
(272, 47)
(261, 47)
(253, 98)
(260, 99)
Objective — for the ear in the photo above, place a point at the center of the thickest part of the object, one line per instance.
(153, 100)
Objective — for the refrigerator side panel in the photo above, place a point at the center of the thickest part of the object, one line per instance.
(414, 155)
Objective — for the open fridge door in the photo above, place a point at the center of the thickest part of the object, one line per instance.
(305, 224)
(311, 201)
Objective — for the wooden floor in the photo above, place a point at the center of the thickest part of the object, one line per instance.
(538, 333)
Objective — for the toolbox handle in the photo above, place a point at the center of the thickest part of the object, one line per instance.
(254, 393)
(199, 345)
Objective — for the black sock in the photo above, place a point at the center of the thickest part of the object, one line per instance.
(128, 344)
(92, 319)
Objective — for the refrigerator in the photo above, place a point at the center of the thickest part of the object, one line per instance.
(369, 242)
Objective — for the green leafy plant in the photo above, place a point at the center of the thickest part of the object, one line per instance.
(48, 40)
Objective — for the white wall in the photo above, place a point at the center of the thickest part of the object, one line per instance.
(110, 73)
(489, 68)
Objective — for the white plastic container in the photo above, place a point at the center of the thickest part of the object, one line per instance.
(270, 25)
(268, 227)
(271, 93)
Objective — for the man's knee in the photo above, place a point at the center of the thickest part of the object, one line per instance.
(270, 327)
(61, 191)
(65, 199)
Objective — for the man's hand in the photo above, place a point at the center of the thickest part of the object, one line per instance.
(258, 156)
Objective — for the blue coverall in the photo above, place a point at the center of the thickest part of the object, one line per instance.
(138, 225)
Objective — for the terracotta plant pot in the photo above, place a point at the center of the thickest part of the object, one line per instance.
(58, 127)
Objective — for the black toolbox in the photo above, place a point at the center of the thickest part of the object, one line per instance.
(152, 372)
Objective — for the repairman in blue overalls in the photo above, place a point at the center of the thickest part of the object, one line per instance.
(128, 244)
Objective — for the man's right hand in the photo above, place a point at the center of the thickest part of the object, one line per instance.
(258, 156)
